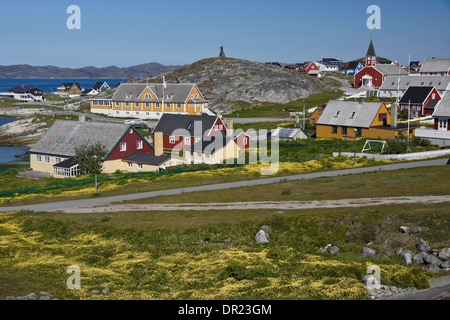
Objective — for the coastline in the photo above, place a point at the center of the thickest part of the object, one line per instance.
(22, 132)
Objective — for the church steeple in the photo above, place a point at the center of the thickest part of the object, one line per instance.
(371, 57)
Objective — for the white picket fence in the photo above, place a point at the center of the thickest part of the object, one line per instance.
(402, 156)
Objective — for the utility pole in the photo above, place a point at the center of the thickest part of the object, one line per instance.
(95, 170)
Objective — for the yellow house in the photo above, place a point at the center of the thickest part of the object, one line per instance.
(314, 117)
(151, 101)
(214, 151)
(345, 119)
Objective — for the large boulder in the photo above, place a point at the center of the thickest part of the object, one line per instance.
(422, 245)
(432, 259)
(418, 259)
(407, 257)
(444, 253)
(368, 252)
(262, 237)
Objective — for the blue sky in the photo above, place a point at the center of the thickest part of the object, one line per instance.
(126, 33)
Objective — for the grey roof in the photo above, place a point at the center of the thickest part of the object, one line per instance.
(212, 145)
(174, 93)
(439, 82)
(168, 123)
(443, 107)
(64, 135)
(349, 113)
(390, 69)
(146, 158)
(435, 65)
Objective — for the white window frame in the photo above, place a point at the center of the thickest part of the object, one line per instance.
(187, 141)
(130, 164)
(123, 146)
(139, 165)
(172, 139)
(47, 159)
(139, 144)
(38, 158)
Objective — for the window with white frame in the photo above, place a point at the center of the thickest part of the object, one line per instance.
(187, 140)
(47, 159)
(38, 158)
(139, 144)
(172, 139)
(139, 165)
(130, 164)
(123, 146)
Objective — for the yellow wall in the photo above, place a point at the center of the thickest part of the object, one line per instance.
(152, 106)
(376, 121)
(324, 131)
(231, 151)
(43, 166)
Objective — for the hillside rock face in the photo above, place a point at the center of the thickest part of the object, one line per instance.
(226, 80)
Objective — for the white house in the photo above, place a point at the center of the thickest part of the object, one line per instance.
(24, 94)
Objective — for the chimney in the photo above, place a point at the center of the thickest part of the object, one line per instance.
(158, 143)
(230, 130)
(393, 115)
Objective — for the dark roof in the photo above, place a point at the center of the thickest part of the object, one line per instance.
(98, 85)
(146, 158)
(416, 95)
(68, 163)
(24, 89)
(68, 85)
(371, 50)
(353, 64)
(431, 104)
(171, 122)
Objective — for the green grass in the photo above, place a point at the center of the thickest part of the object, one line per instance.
(412, 182)
(278, 110)
(184, 255)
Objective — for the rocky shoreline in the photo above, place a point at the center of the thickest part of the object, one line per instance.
(22, 132)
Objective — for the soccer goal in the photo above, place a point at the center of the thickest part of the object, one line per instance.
(371, 143)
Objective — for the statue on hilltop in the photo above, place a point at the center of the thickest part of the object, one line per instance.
(222, 54)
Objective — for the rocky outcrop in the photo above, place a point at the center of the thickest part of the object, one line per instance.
(226, 80)
(21, 132)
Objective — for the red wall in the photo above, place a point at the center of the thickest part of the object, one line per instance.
(131, 140)
(377, 77)
(179, 140)
(240, 141)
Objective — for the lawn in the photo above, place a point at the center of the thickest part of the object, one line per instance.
(53, 189)
(213, 254)
(278, 110)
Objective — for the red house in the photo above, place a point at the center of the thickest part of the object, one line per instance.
(374, 74)
(421, 101)
(182, 131)
(313, 69)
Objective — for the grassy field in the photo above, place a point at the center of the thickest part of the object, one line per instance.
(70, 189)
(278, 110)
(213, 254)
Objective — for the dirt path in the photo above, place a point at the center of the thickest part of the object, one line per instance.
(276, 205)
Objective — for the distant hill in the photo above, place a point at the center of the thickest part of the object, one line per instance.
(224, 81)
(27, 71)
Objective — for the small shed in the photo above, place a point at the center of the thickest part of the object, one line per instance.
(288, 133)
